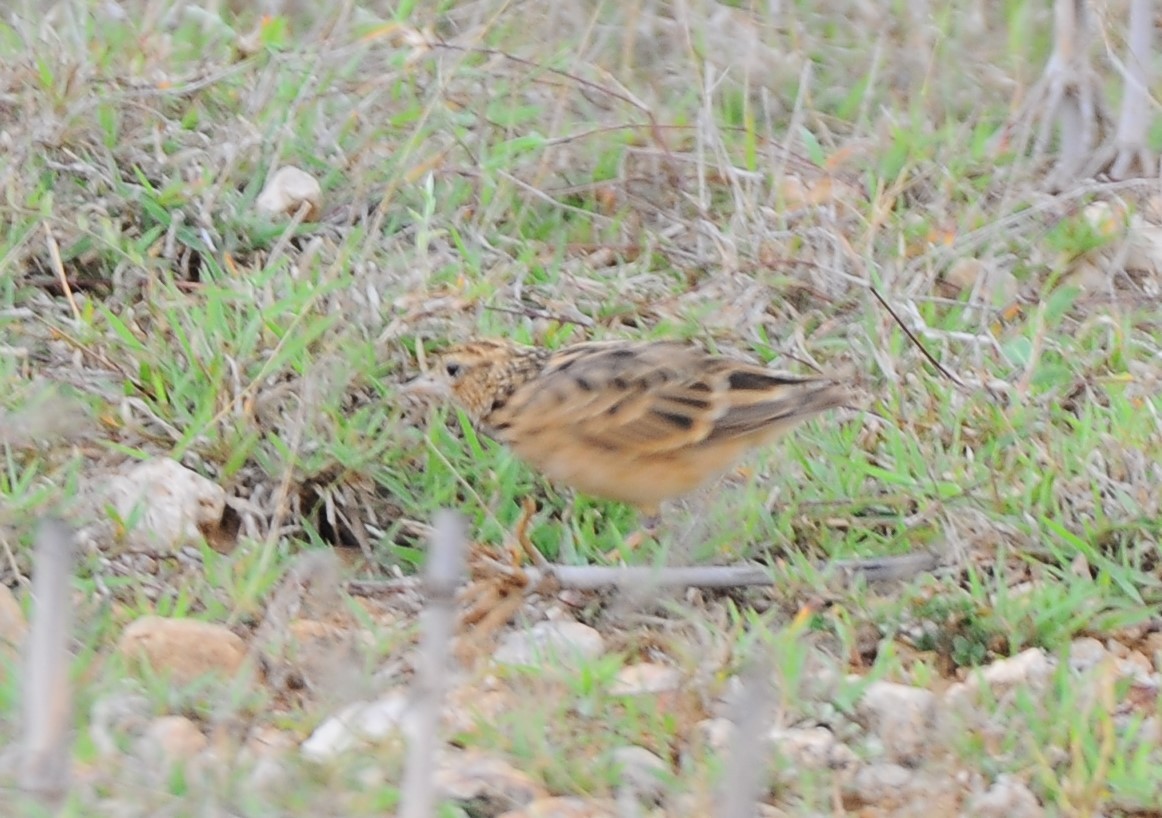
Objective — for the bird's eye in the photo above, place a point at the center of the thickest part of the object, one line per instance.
(452, 368)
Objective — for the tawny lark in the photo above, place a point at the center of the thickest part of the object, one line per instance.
(637, 422)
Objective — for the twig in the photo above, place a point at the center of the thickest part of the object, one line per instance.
(54, 254)
(528, 509)
(914, 339)
(596, 577)
(530, 312)
(593, 577)
(444, 572)
(48, 702)
(299, 216)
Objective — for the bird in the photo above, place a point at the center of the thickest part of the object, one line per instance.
(638, 422)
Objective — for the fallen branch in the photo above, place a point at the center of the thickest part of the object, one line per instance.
(596, 577)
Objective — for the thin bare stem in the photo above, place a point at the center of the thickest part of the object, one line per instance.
(442, 577)
(742, 783)
(47, 699)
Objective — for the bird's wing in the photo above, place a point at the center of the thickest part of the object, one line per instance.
(654, 398)
(757, 399)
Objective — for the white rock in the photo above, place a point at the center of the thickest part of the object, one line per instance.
(569, 643)
(901, 716)
(1137, 667)
(881, 783)
(464, 775)
(355, 724)
(1006, 798)
(1085, 652)
(811, 748)
(1029, 668)
(165, 505)
(642, 771)
(288, 189)
(334, 736)
(1105, 219)
(1030, 665)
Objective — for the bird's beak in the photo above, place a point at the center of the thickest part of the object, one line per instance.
(427, 386)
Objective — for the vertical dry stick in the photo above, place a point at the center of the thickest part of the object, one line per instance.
(1076, 104)
(47, 698)
(1134, 122)
(54, 254)
(441, 578)
(743, 779)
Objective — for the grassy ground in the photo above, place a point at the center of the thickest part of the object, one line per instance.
(556, 172)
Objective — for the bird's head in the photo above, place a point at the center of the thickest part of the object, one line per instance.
(474, 374)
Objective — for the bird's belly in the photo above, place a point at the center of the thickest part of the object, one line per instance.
(643, 481)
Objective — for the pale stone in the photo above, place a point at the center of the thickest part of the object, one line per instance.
(900, 716)
(1006, 798)
(1030, 668)
(646, 677)
(288, 189)
(477, 777)
(567, 643)
(176, 738)
(811, 748)
(645, 773)
(165, 506)
(355, 724)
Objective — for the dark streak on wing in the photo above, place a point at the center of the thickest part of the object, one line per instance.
(744, 379)
(683, 422)
(742, 419)
(694, 403)
(780, 409)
